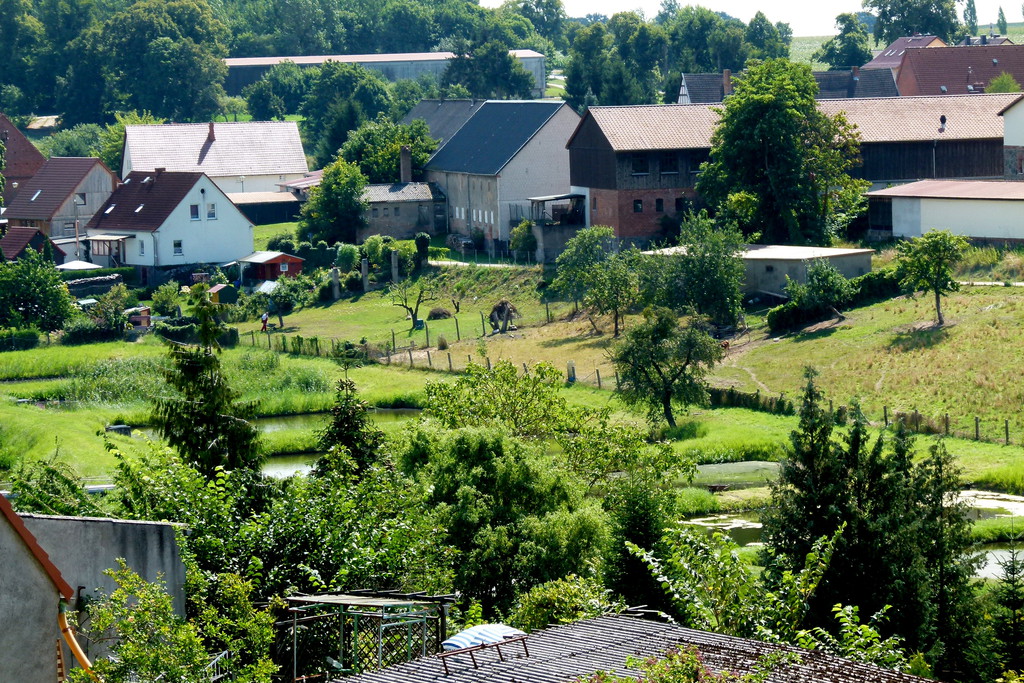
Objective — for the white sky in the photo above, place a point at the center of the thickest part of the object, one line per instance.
(808, 18)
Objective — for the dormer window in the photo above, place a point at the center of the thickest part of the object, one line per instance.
(36, 195)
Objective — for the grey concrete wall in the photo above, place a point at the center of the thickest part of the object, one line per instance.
(82, 548)
(769, 275)
(28, 614)
(551, 240)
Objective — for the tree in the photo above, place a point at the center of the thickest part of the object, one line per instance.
(203, 419)
(773, 145)
(1004, 82)
(765, 39)
(82, 140)
(707, 275)
(32, 294)
(112, 135)
(971, 18)
(340, 88)
(1001, 22)
(335, 211)
(898, 18)
(410, 297)
(1009, 613)
(351, 428)
(660, 363)
(488, 71)
(376, 148)
(614, 287)
(927, 263)
(562, 601)
(847, 49)
(826, 289)
(263, 103)
(167, 298)
(583, 252)
(284, 298)
(522, 241)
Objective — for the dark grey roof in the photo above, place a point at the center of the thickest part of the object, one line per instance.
(443, 117)
(402, 192)
(492, 136)
(832, 85)
(563, 653)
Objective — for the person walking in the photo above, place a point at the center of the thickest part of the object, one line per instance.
(265, 317)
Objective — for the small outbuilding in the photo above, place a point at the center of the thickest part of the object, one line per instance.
(980, 210)
(17, 240)
(270, 265)
(223, 294)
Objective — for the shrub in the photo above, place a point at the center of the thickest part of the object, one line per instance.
(281, 242)
(692, 501)
(877, 285)
(16, 340)
(691, 429)
(422, 243)
(730, 398)
(442, 343)
(166, 298)
(354, 282)
(84, 330)
(439, 313)
(347, 257)
(188, 332)
(127, 274)
(522, 240)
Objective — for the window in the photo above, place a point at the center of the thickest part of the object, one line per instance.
(679, 204)
(211, 211)
(638, 206)
(593, 203)
(669, 163)
(396, 210)
(142, 248)
(69, 228)
(659, 205)
(178, 251)
(80, 198)
(769, 269)
(640, 164)
(193, 211)
(375, 213)
(284, 267)
(386, 212)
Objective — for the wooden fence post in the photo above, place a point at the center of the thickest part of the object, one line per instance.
(616, 379)
(426, 328)
(947, 423)
(394, 345)
(430, 363)
(547, 312)
(526, 370)
(885, 413)
(410, 356)
(1006, 430)
(483, 327)
(488, 363)
(252, 336)
(977, 432)
(598, 371)
(458, 336)
(450, 363)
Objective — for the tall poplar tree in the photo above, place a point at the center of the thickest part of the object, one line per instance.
(971, 17)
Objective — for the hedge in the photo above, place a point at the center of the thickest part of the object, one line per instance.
(19, 340)
(86, 331)
(871, 287)
(184, 332)
(730, 398)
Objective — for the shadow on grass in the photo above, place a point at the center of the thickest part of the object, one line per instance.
(594, 341)
(923, 338)
(815, 334)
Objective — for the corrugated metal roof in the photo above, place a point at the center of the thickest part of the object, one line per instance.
(960, 70)
(311, 179)
(142, 205)
(561, 654)
(443, 117)
(245, 148)
(269, 257)
(956, 189)
(402, 192)
(777, 252)
(493, 136)
(881, 119)
(246, 198)
(40, 197)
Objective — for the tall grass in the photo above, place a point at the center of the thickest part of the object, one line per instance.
(1008, 478)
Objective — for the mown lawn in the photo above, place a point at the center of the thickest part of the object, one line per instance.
(262, 233)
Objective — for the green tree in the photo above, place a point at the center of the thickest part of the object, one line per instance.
(203, 419)
(774, 145)
(582, 254)
(409, 296)
(765, 39)
(661, 363)
(263, 102)
(376, 148)
(1001, 22)
(707, 275)
(927, 263)
(167, 298)
(1009, 613)
(336, 209)
(488, 71)
(614, 287)
(826, 290)
(522, 241)
(351, 428)
(82, 140)
(1004, 82)
(562, 601)
(32, 294)
(847, 49)
(112, 135)
(971, 18)
(339, 88)
(898, 18)
(21, 35)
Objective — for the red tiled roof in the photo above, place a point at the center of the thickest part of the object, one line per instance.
(143, 205)
(960, 70)
(33, 547)
(638, 128)
(17, 238)
(890, 57)
(22, 158)
(40, 197)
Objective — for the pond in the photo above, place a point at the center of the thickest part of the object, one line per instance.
(312, 421)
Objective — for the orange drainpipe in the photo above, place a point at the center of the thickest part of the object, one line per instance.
(69, 637)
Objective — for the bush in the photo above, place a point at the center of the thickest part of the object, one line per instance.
(84, 330)
(281, 242)
(522, 240)
(442, 343)
(730, 398)
(422, 243)
(875, 286)
(18, 340)
(354, 282)
(188, 332)
(347, 257)
(167, 299)
(439, 313)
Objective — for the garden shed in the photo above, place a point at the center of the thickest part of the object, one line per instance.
(270, 265)
(223, 294)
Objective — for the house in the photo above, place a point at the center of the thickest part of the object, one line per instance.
(22, 159)
(396, 66)
(270, 265)
(711, 88)
(168, 219)
(574, 651)
(443, 117)
(300, 187)
(957, 70)
(401, 210)
(31, 592)
(249, 157)
(635, 164)
(66, 192)
(987, 211)
(505, 153)
(769, 267)
(892, 56)
(18, 239)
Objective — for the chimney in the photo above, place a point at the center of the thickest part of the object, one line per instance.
(984, 39)
(856, 73)
(405, 165)
(212, 136)
(159, 171)
(727, 82)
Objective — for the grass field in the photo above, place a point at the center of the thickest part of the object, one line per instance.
(262, 233)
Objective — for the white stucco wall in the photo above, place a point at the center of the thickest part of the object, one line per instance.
(986, 219)
(540, 168)
(226, 238)
(1013, 126)
(254, 183)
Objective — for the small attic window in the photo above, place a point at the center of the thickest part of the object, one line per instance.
(36, 195)
(109, 209)
(146, 180)
(140, 208)
(942, 89)
(970, 88)
(994, 61)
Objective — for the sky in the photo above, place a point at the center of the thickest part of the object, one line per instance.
(806, 17)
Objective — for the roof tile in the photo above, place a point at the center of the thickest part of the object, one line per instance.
(22, 158)
(143, 202)
(928, 71)
(40, 197)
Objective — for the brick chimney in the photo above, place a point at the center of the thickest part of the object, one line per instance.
(211, 136)
(727, 82)
(856, 73)
(405, 165)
